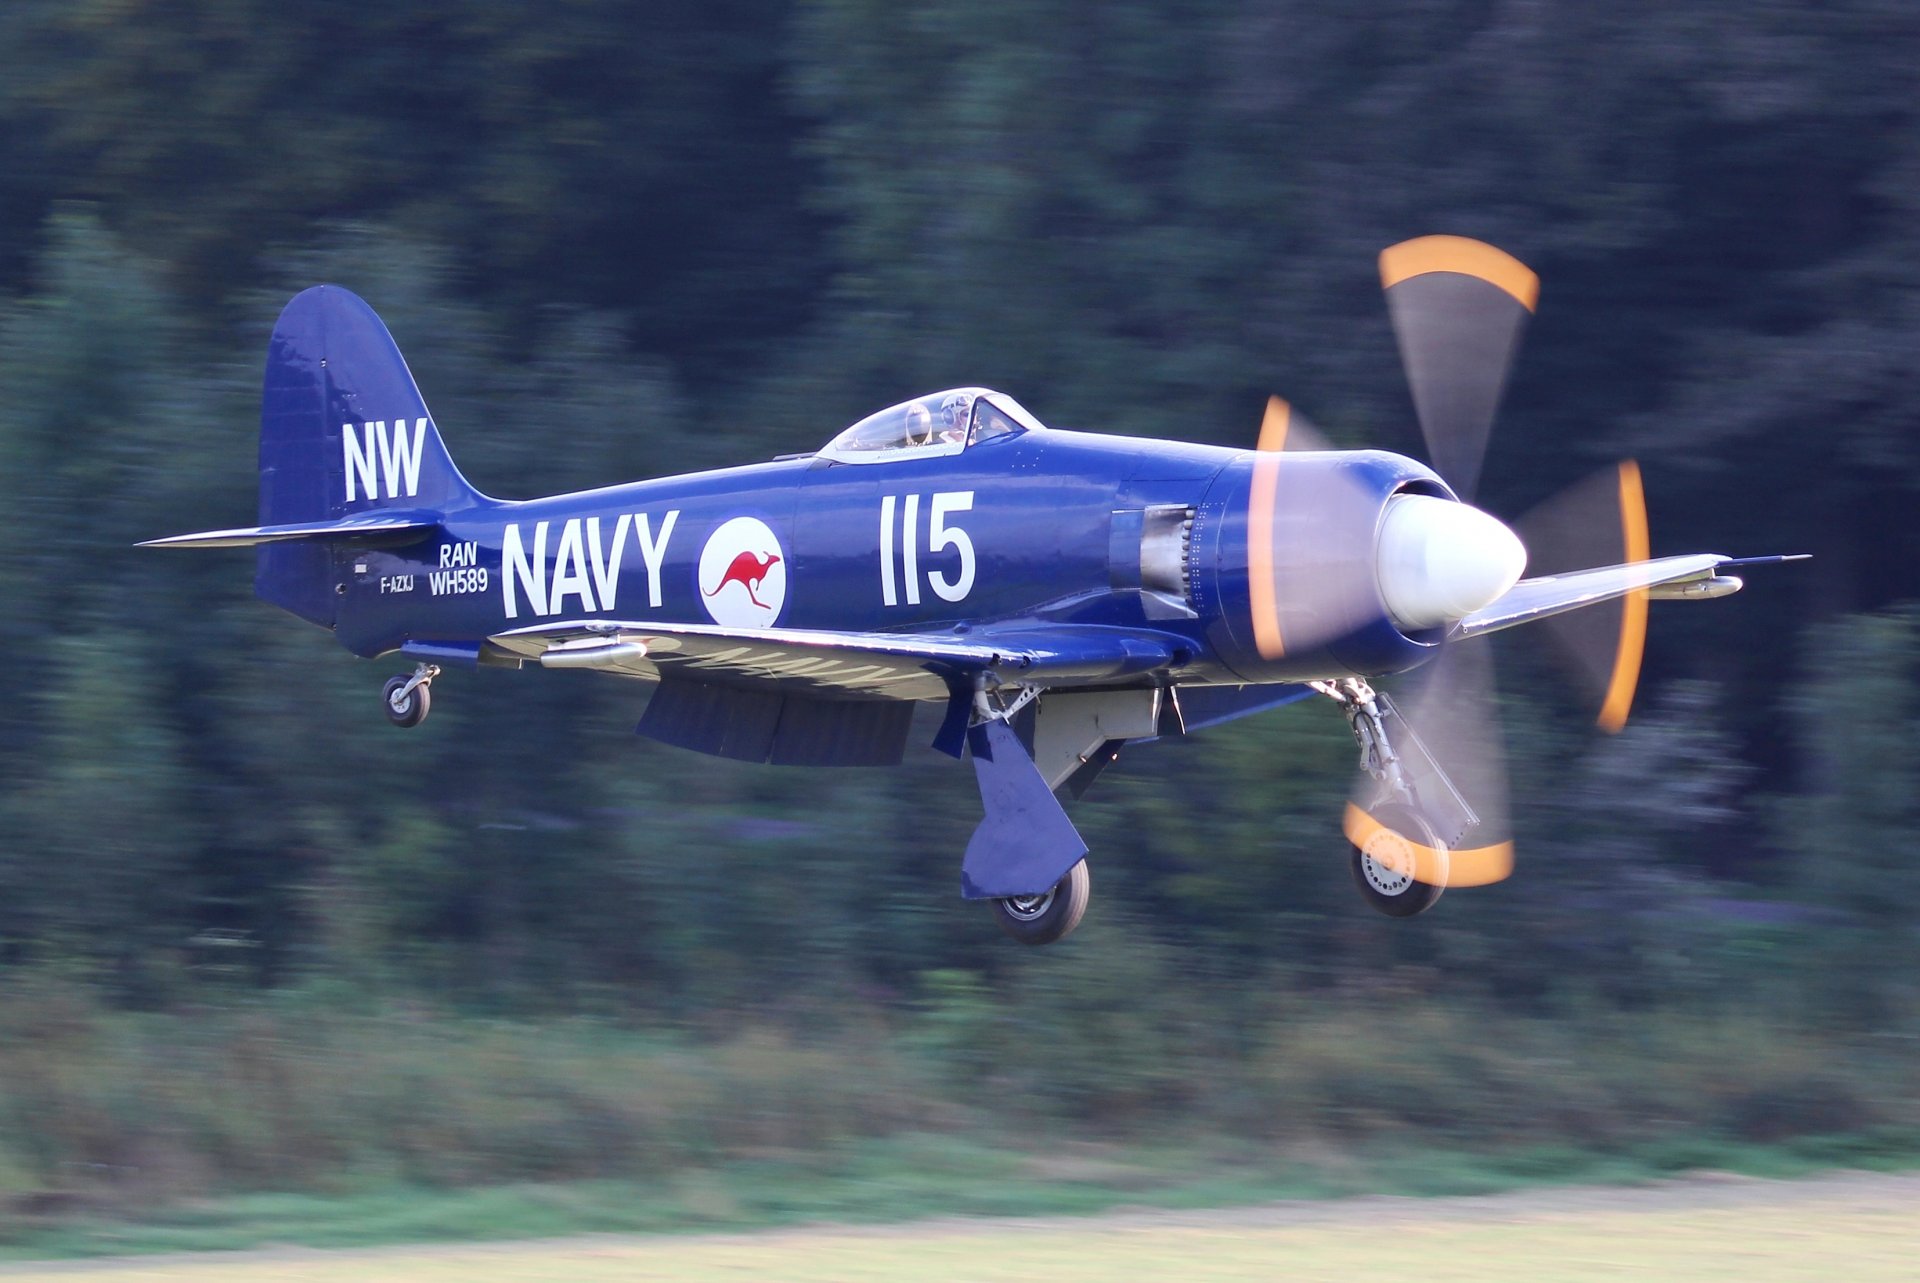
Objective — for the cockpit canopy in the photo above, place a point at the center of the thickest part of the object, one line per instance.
(930, 426)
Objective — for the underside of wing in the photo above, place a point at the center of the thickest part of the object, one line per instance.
(825, 664)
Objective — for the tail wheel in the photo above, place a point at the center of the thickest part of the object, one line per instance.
(1049, 916)
(404, 707)
(1383, 868)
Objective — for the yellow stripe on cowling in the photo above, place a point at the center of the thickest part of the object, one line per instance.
(1478, 259)
(1633, 612)
(1260, 501)
(1468, 867)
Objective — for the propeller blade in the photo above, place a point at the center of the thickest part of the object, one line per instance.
(1458, 307)
(1284, 428)
(1448, 734)
(1600, 521)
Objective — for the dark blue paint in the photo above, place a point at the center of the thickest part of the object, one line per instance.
(951, 738)
(1026, 843)
(465, 654)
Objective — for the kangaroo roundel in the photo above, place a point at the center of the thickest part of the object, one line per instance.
(743, 574)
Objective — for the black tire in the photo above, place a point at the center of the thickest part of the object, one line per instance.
(1043, 919)
(412, 710)
(1384, 884)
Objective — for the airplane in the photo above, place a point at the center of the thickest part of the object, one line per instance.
(1055, 595)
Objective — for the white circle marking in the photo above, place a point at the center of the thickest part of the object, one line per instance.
(743, 574)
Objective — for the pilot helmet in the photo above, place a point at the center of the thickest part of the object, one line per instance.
(953, 412)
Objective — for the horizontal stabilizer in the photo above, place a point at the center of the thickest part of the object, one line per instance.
(379, 524)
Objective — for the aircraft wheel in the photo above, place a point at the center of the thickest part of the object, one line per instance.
(406, 710)
(1042, 919)
(1382, 870)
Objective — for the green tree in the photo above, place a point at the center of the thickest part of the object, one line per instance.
(592, 151)
(1850, 833)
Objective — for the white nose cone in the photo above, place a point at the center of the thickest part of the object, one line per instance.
(1440, 561)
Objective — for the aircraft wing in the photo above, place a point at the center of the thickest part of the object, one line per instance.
(1532, 599)
(831, 664)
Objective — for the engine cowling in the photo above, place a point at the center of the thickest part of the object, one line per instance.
(1337, 563)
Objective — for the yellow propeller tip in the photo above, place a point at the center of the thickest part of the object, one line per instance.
(1465, 257)
(1274, 425)
(1636, 545)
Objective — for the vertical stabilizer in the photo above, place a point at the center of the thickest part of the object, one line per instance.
(343, 431)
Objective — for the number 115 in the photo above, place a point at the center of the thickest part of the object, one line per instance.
(939, 536)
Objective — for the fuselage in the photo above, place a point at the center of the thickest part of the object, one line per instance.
(1044, 526)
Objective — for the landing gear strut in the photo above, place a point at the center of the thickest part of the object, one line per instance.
(1366, 713)
(1399, 859)
(407, 699)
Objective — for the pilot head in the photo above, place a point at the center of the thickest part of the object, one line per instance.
(953, 417)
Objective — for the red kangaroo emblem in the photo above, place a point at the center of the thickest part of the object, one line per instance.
(747, 570)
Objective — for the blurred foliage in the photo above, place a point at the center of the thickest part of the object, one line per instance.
(620, 241)
(294, 1090)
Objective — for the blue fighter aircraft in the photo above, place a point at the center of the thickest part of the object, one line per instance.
(1058, 594)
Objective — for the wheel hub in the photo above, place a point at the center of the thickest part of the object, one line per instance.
(1028, 907)
(1387, 863)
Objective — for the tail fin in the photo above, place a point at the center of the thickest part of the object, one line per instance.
(343, 433)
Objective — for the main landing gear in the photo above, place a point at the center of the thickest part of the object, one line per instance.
(1025, 859)
(407, 699)
(1399, 859)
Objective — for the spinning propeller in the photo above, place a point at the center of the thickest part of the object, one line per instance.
(1458, 308)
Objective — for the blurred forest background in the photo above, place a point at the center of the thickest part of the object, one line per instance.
(250, 937)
